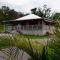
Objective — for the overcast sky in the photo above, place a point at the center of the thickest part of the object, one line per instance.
(26, 5)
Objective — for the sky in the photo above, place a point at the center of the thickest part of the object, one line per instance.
(26, 5)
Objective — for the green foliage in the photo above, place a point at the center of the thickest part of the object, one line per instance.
(1, 28)
(6, 41)
(39, 12)
(44, 54)
(56, 16)
(23, 43)
(55, 42)
(7, 46)
(36, 51)
(34, 36)
(7, 14)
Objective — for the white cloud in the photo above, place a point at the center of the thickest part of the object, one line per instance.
(26, 5)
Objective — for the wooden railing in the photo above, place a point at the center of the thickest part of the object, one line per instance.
(31, 27)
(24, 27)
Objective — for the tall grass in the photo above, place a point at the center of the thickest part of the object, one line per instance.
(36, 51)
(55, 43)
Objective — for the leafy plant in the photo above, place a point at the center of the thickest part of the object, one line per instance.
(16, 43)
(55, 42)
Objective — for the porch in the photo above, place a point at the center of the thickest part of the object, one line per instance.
(29, 27)
(25, 29)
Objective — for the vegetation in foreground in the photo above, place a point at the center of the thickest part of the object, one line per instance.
(34, 36)
(1, 28)
(36, 51)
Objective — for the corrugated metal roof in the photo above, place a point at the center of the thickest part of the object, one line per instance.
(28, 17)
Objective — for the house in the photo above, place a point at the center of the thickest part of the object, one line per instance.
(30, 24)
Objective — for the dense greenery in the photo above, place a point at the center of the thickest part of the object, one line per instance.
(35, 36)
(27, 45)
(55, 42)
(56, 16)
(1, 28)
(7, 14)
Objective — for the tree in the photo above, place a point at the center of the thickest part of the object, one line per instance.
(37, 11)
(45, 12)
(56, 16)
(33, 10)
(9, 14)
(4, 12)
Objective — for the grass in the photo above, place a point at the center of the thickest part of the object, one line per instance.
(1, 28)
(20, 42)
(25, 42)
(34, 36)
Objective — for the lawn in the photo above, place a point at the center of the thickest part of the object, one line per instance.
(34, 36)
(1, 28)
